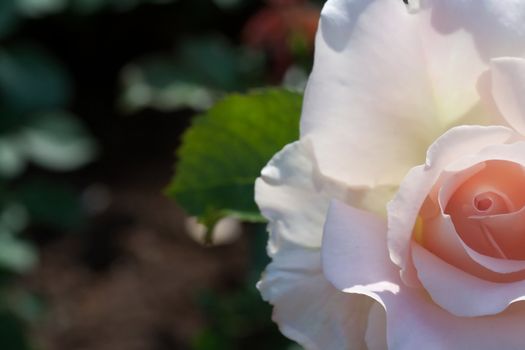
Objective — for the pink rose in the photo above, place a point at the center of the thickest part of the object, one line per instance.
(397, 221)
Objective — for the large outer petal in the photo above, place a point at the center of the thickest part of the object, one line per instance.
(353, 263)
(497, 26)
(375, 332)
(413, 321)
(289, 196)
(307, 308)
(385, 84)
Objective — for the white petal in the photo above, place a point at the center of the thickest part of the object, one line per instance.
(354, 252)
(376, 329)
(384, 86)
(497, 26)
(290, 199)
(508, 89)
(308, 309)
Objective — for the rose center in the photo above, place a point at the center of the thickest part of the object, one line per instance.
(488, 209)
(483, 204)
(488, 203)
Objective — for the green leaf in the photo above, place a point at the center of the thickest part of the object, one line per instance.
(224, 150)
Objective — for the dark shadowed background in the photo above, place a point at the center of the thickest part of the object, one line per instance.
(94, 98)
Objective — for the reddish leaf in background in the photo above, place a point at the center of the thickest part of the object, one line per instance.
(276, 27)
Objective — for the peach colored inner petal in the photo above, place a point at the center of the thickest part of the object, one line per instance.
(508, 230)
(481, 208)
(439, 236)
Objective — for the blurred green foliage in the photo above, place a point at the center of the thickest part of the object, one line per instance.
(12, 10)
(236, 320)
(17, 309)
(31, 80)
(201, 72)
(241, 320)
(8, 16)
(12, 334)
(37, 129)
(222, 152)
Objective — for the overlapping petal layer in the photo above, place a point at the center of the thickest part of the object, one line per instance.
(308, 309)
(413, 320)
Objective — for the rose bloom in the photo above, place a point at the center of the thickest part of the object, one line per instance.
(397, 221)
